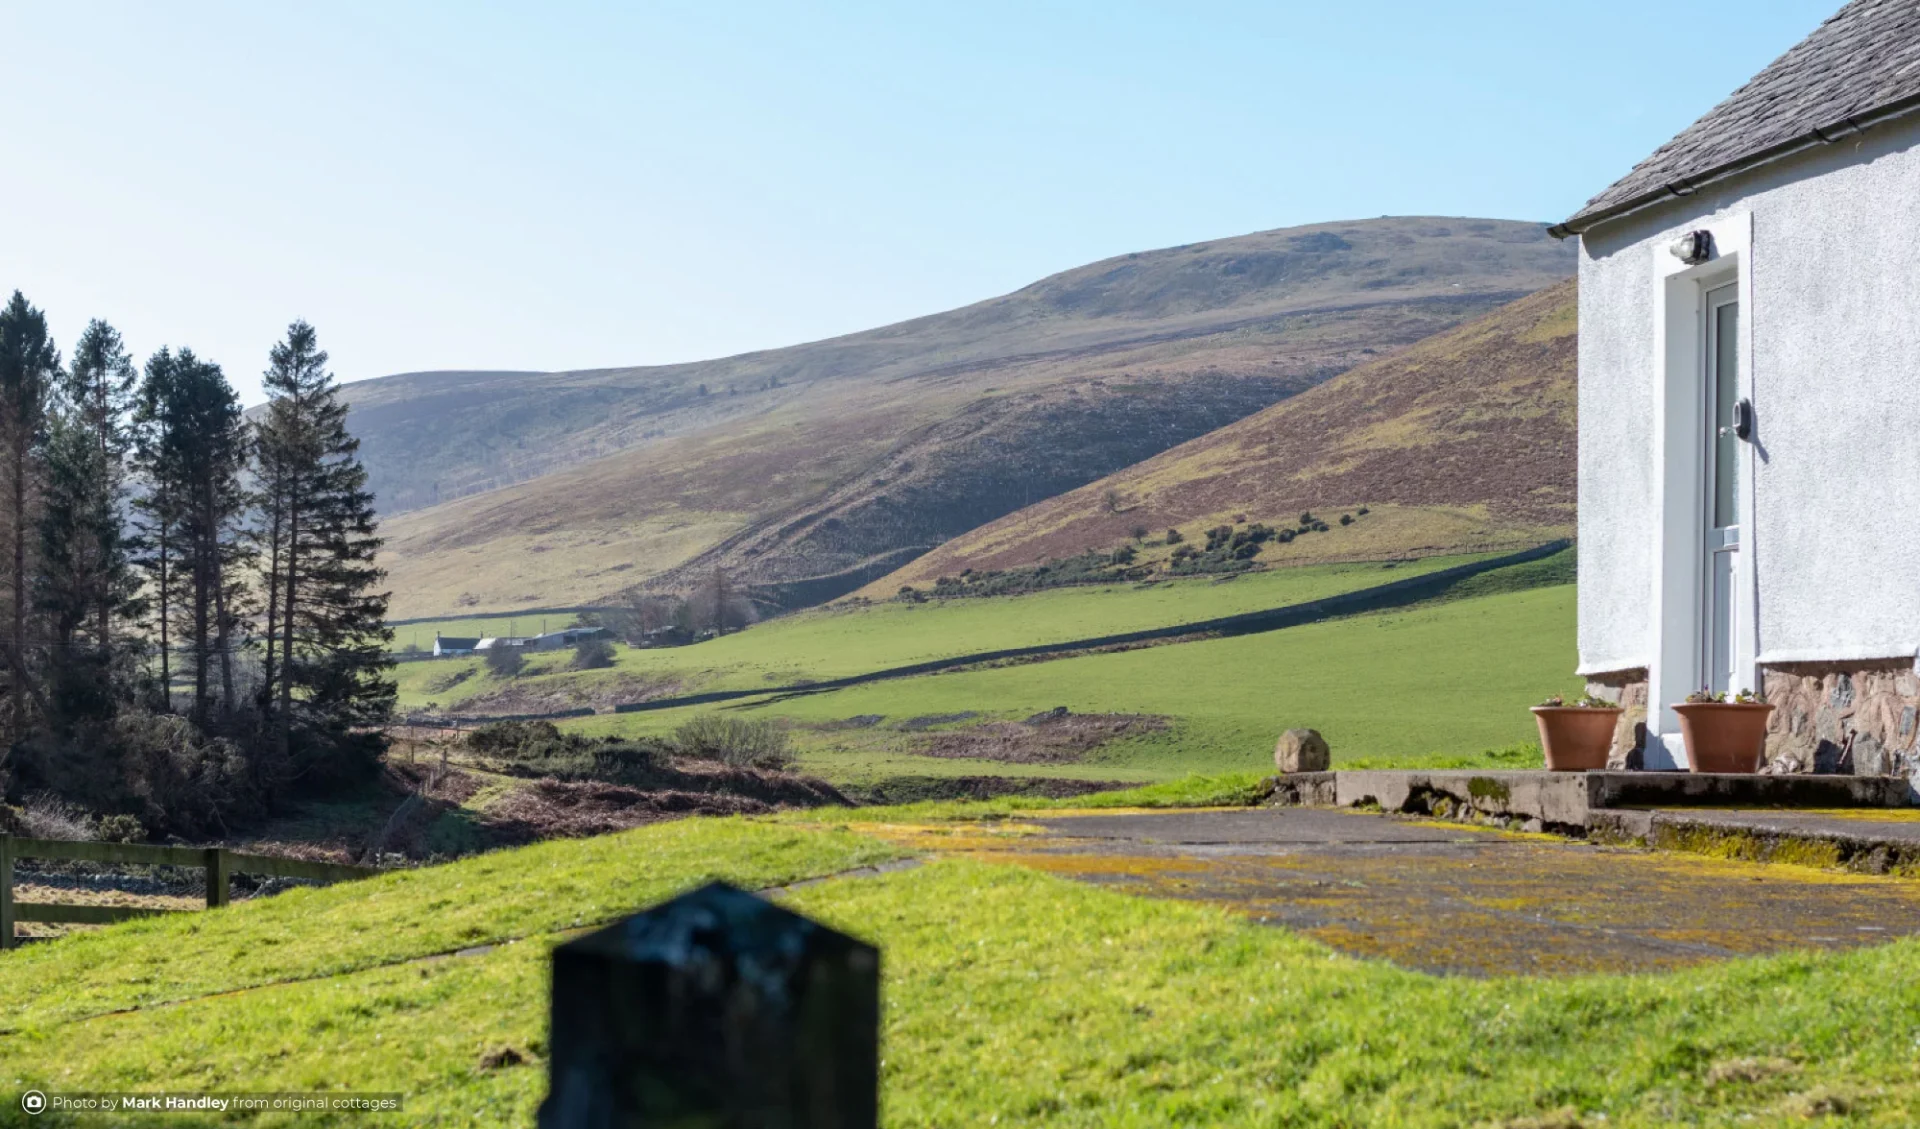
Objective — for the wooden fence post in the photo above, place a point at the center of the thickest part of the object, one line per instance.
(6, 891)
(716, 1008)
(217, 875)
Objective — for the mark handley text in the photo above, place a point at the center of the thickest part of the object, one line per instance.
(221, 1103)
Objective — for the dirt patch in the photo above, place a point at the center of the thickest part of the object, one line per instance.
(782, 789)
(550, 809)
(859, 721)
(600, 695)
(916, 789)
(1054, 737)
(928, 721)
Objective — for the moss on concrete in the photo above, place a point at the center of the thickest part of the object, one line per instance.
(1488, 788)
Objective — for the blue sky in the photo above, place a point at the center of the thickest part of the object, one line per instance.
(554, 185)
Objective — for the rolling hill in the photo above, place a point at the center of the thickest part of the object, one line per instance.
(810, 470)
(1463, 442)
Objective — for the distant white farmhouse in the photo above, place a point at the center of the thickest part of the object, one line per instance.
(1750, 406)
(445, 645)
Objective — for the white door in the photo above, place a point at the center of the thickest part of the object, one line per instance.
(1722, 447)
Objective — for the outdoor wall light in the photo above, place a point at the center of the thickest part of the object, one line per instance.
(1693, 247)
(1742, 425)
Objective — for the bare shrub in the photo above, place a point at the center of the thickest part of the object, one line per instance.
(46, 816)
(737, 742)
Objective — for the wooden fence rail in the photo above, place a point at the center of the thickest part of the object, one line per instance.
(220, 864)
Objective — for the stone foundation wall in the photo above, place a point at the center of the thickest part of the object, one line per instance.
(1860, 718)
(1628, 690)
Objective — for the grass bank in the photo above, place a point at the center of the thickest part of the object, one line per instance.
(1012, 998)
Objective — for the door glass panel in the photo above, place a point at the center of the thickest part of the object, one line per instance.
(1720, 608)
(1726, 392)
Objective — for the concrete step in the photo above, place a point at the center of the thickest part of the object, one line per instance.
(1565, 801)
(1864, 840)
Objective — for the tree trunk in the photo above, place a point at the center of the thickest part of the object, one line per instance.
(16, 685)
(104, 613)
(166, 663)
(273, 602)
(283, 721)
(201, 636)
(222, 641)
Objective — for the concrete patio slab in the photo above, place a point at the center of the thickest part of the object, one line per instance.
(1454, 899)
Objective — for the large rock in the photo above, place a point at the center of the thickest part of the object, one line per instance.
(1302, 750)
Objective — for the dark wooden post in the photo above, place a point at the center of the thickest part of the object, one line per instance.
(6, 891)
(218, 874)
(716, 1009)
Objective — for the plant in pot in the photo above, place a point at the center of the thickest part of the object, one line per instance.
(1722, 735)
(1577, 737)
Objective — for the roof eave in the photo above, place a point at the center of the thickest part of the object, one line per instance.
(1585, 221)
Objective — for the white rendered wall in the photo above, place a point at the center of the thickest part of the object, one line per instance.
(1833, 311)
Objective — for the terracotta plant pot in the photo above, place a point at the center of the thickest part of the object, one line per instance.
(1576, 738)
(1724, 736)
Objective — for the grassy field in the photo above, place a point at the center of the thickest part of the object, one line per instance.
(837, 641)
(1431, 685)
(1011, 998)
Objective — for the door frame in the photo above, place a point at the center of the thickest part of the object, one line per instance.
(1679, 601)
(1714, 298)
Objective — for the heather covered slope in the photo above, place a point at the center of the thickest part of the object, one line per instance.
(1463, 442)
(840, 459)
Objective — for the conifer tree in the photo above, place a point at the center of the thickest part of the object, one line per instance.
(157, 513)
(326, 662)
(98, 397)
(28, 365)
(85, 582)
(194, 449)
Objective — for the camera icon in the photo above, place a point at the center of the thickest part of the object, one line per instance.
(33, 1101)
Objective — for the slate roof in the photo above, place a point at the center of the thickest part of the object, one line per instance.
(456, 642)
(1860, 67)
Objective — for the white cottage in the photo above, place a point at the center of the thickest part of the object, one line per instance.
(1750, 407)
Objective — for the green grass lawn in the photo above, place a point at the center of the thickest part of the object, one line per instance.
(1011, 998)
(838, 641)
(1434, 685)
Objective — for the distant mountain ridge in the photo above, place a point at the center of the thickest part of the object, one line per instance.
(816, 467)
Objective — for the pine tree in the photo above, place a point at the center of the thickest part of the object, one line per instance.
(28, 365)
(194, 449)
(157, 512)
(327, 671)
(85, 582)
(99, 397)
